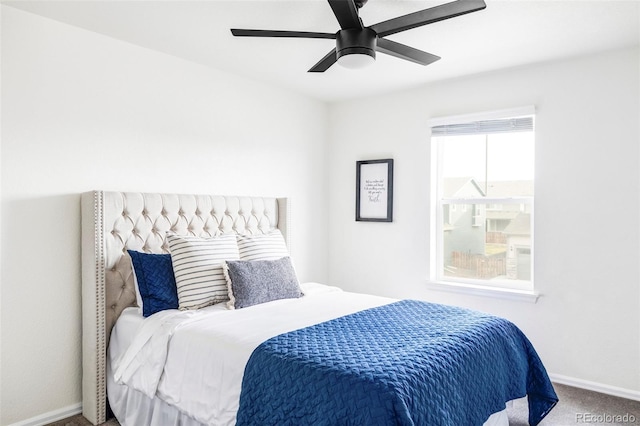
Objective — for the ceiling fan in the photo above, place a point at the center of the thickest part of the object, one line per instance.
(356, 45)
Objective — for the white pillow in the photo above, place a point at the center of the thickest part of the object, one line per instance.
(197, 265)
(269, 246)
(135, 285)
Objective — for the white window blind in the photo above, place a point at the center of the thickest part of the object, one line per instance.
(506, 125)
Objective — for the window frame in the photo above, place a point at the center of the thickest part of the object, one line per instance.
(512, 289)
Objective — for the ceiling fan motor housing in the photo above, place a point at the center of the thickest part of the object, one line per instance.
(356, 41)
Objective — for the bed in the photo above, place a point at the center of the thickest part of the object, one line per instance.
(317, 355)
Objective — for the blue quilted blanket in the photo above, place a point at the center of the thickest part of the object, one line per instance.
(406, 363)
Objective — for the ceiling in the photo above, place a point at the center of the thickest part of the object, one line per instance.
(508, 33)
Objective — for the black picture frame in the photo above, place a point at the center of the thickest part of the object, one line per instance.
(374, 190)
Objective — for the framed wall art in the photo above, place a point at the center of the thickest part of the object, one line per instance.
(374, 190)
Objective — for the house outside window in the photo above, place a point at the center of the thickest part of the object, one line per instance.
(482, 200)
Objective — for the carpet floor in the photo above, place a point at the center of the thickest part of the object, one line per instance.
(579, 406)
(576, 406)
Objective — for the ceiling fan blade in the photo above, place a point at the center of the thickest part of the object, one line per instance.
(346, 13)
(403, 51)
(324, 63)
(269, 33)
(427, 16)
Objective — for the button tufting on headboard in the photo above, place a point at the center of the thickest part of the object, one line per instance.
(114, 222)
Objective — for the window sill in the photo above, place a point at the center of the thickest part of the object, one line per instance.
(475, 290)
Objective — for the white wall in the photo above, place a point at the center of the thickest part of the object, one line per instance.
(81, 111)
(586, 326)
(1, 9)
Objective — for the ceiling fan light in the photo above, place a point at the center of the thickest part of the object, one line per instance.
(355, 60)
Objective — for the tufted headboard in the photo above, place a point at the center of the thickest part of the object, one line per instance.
(113, 222)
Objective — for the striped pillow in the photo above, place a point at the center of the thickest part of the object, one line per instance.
(197, 265)
(269, 246)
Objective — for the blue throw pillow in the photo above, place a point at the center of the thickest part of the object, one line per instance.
(156, 282)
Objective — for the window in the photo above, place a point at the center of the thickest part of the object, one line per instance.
(482, 211)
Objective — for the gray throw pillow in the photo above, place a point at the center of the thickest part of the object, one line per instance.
(259, 281)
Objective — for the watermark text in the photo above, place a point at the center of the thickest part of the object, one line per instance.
(605, 418)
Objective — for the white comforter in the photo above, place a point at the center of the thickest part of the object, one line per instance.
(195, 360)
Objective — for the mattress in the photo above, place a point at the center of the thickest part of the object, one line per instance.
(179, 367)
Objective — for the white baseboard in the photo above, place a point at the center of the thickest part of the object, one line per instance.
(596, 387)
(51, 416)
